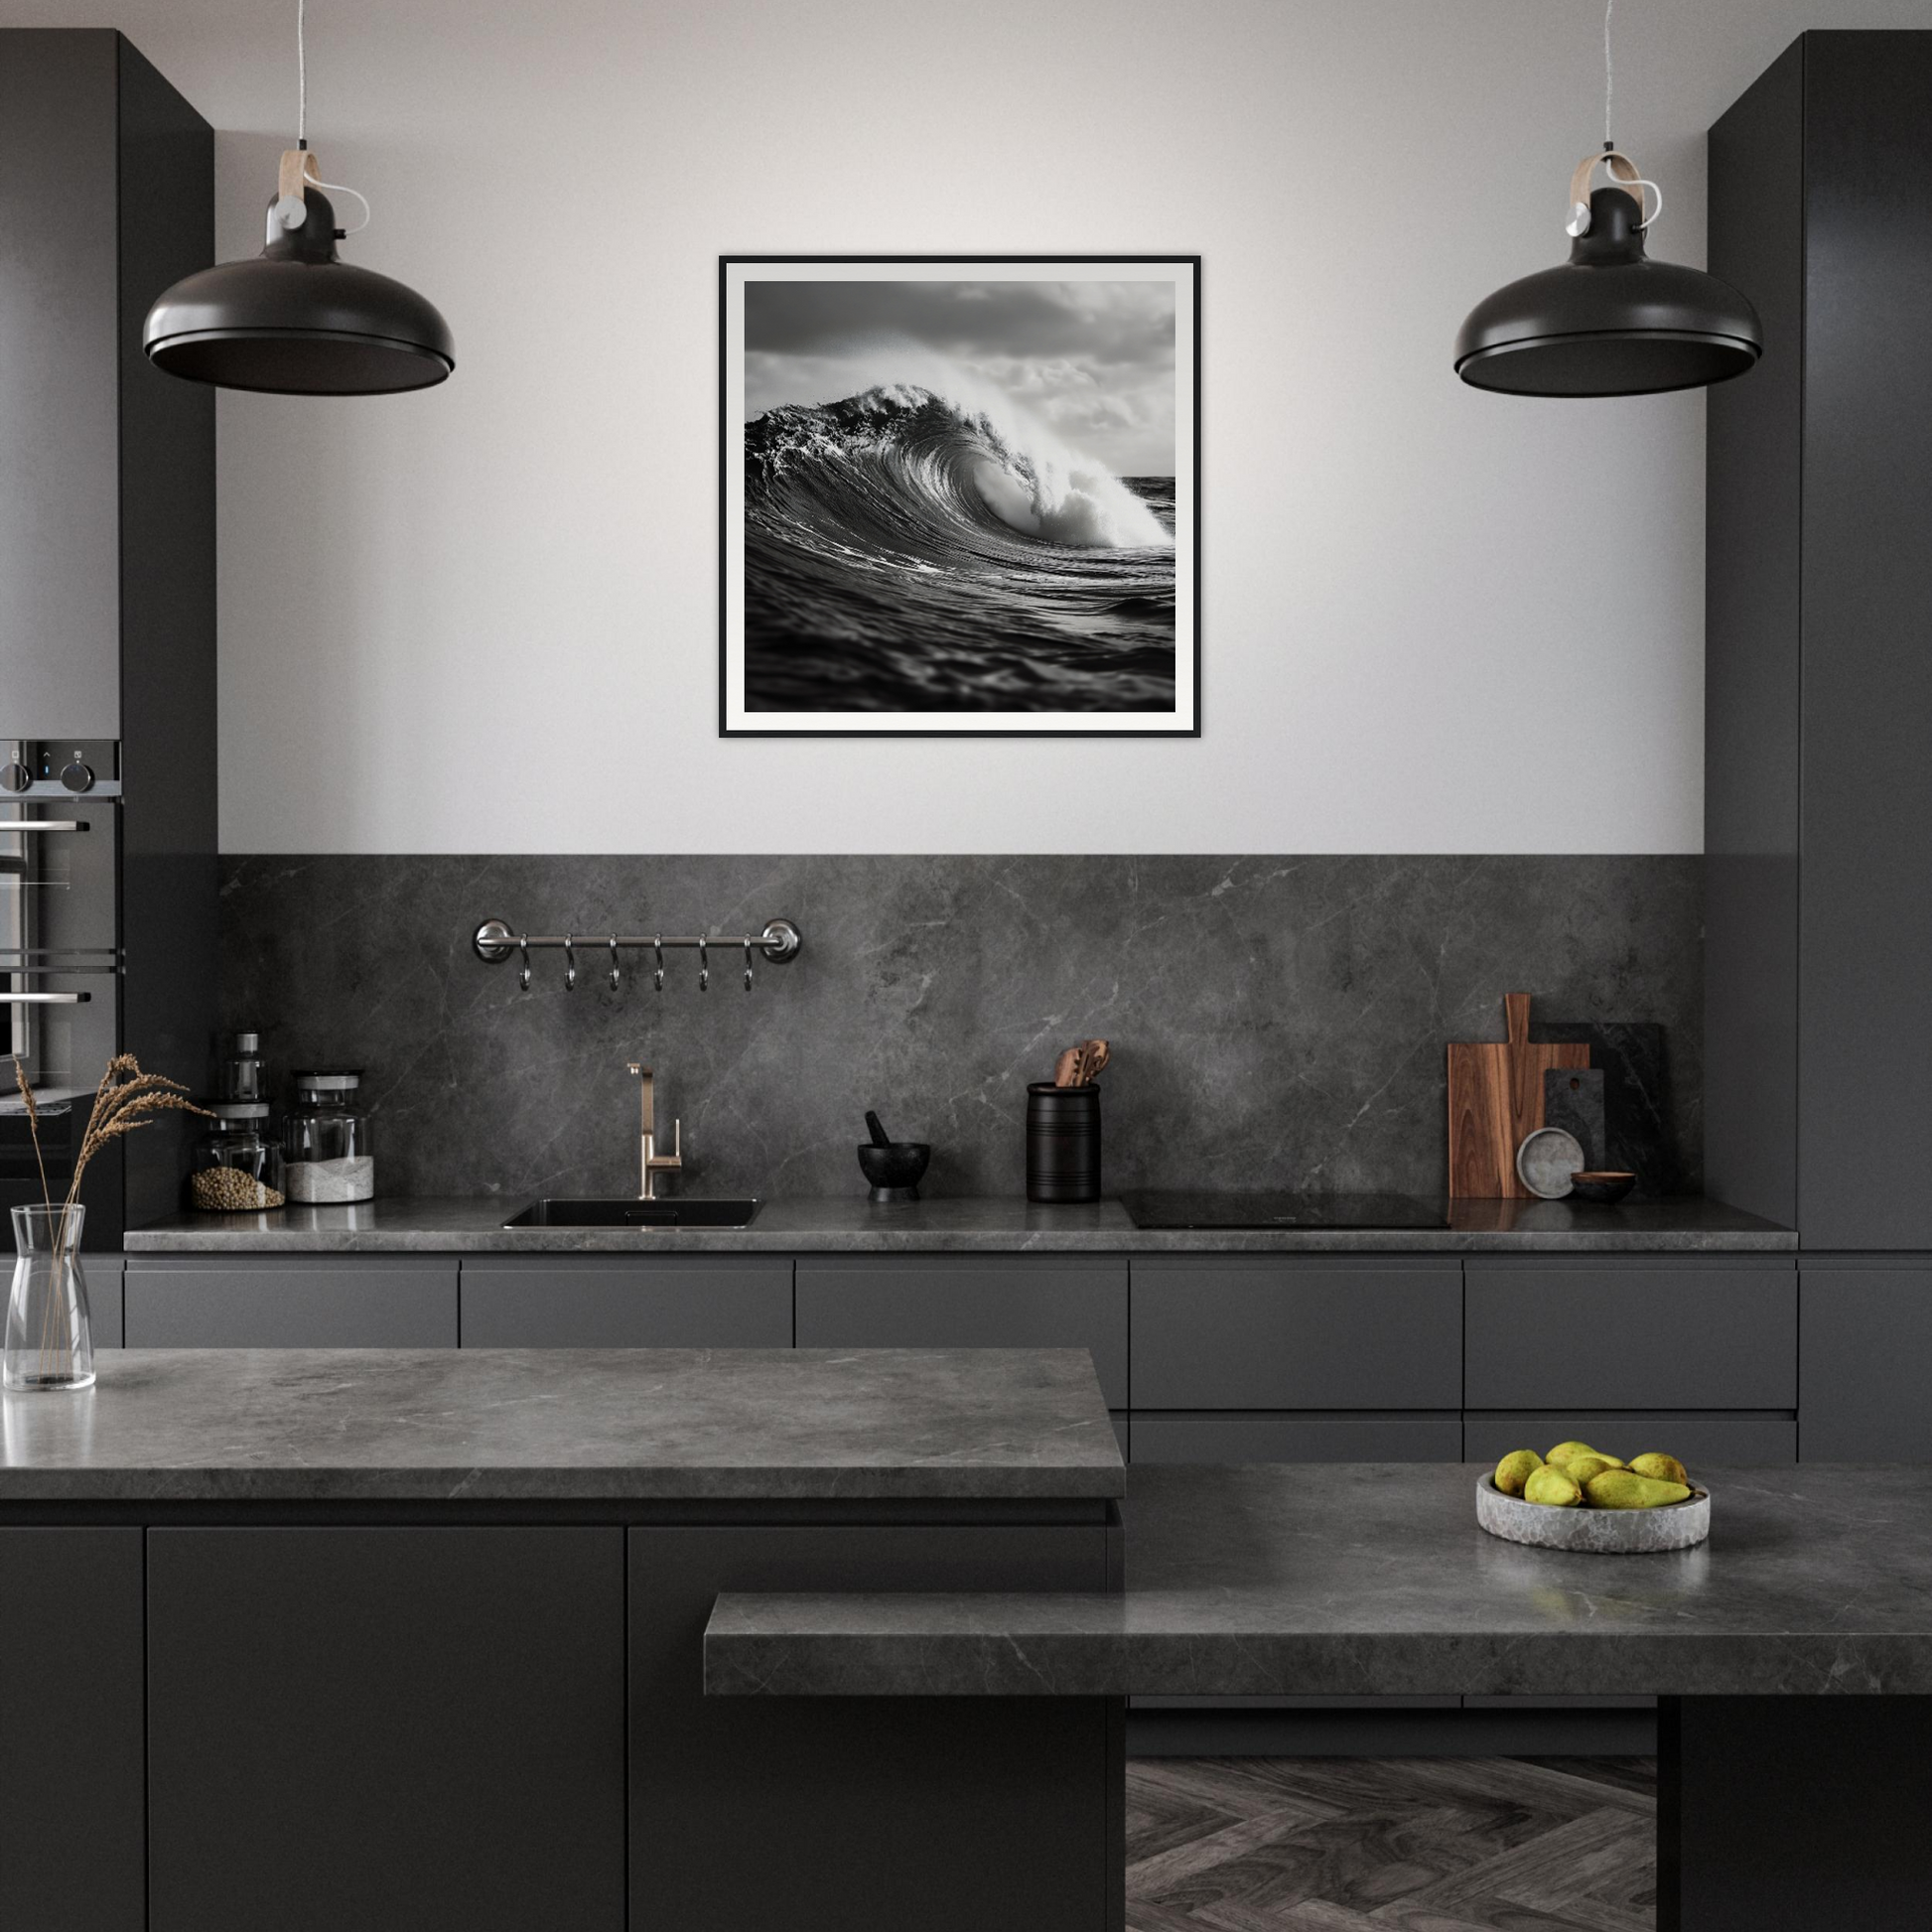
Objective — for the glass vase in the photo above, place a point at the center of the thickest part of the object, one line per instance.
(50, 1338)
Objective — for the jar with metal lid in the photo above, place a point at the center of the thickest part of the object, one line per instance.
(326, 1138)
(238, 1162)
(238, 1072)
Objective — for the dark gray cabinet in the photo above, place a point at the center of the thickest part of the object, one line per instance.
(291, 1302)
(943, 1301)
(1008, 1799)
(1549, 1333)
(1865, 1393)
(621, 1302)
(1272, 1332)
(104, 1273)
(426, 1724)
(1699, 1437)
(1358, 1438)
(1818, 792)
(72, 1776)
(107, 584)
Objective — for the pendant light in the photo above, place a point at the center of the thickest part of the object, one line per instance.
(296, 320)
(1609, 321)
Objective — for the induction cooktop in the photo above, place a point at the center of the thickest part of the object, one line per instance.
(1158, 1209)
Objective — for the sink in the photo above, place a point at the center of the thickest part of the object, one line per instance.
(633, 1213)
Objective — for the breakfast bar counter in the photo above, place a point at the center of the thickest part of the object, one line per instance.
(1792, 1651)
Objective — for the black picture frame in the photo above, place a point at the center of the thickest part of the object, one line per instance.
(735, 721)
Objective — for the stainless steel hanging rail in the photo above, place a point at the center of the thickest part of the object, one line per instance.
(495, 941)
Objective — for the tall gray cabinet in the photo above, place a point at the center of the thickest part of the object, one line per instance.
(1818, 714)
(107, 934)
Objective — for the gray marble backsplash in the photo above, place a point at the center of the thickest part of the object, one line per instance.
(1276, 1022)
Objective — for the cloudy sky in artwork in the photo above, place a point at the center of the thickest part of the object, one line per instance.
(1093, 361)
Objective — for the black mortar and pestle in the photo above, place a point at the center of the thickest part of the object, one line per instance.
(893, 1167)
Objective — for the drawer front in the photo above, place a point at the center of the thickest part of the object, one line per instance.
(576, 1302)
(104, 1273)
(937, 1302)
(1298, 1438)
(1237, 1334)
(264, 1301)
(1697, 1440)
(1866, 1393)
(1633, 1337)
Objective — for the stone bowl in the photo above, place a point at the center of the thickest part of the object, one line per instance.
(896, 1169)
(1597, 1532)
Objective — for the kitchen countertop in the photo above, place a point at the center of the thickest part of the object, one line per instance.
(961, 1226)
(1374, 1580)
(565, 1425)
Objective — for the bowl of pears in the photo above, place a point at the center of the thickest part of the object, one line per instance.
(1581, 1499)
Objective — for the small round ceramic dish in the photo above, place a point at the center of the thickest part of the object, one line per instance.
(1595, 1531)
(1546, 1161)
(1606, 1186)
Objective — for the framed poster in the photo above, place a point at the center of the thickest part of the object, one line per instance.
(960, 496)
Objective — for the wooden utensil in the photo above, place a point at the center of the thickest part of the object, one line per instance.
(1495, 1101)
(1100, 1053)
(1067, 1066)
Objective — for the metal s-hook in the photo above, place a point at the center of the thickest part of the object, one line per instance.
(617, 972)
(523, 946)
(570, 962)
(658, 946)
(704, 967)
(748, 965)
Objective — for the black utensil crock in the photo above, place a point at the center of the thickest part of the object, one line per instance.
(1062, 1143)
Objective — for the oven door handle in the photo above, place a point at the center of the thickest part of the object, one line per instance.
(43, 825)
(45, 999)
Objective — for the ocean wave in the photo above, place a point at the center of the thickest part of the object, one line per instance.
(933, 457)
(903, 551)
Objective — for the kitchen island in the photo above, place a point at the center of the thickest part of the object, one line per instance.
(413, 1638)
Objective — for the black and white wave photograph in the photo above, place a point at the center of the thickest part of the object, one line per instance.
(959, 496)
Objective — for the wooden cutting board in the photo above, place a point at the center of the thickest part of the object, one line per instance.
(1495, 1099)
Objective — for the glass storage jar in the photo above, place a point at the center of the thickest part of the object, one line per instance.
(326, 1139)
(238, 1162)
(239, 1073)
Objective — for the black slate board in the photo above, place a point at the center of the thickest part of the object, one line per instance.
(1636, 1098)
(1573, 1099)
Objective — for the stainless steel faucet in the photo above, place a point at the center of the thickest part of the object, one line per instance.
(651, 1162)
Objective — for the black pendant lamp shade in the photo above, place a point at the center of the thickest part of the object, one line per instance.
(1609, 321)
(296, 320)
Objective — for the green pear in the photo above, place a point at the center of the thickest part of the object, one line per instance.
(1621, 1489)
(1515, 1469)
(1580, 1468)
(1564, 1450)
(1550, 1485)
(1665, 1468)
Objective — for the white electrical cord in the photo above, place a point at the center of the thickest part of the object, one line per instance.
(290, 210)
(336, 187)
(1609, 73)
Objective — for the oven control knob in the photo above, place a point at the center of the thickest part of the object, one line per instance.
(15, 777)
(77, 777)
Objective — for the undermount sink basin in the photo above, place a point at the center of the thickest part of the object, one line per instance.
(635, 1214)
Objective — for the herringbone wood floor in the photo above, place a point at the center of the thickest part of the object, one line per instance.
(1391, 1845)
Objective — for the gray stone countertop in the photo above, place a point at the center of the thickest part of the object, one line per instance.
(539, 1425)
(961, 1226)
(1374, 1580)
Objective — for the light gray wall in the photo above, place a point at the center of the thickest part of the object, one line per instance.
(1412, 641)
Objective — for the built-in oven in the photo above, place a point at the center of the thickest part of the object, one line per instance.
(59, 966)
